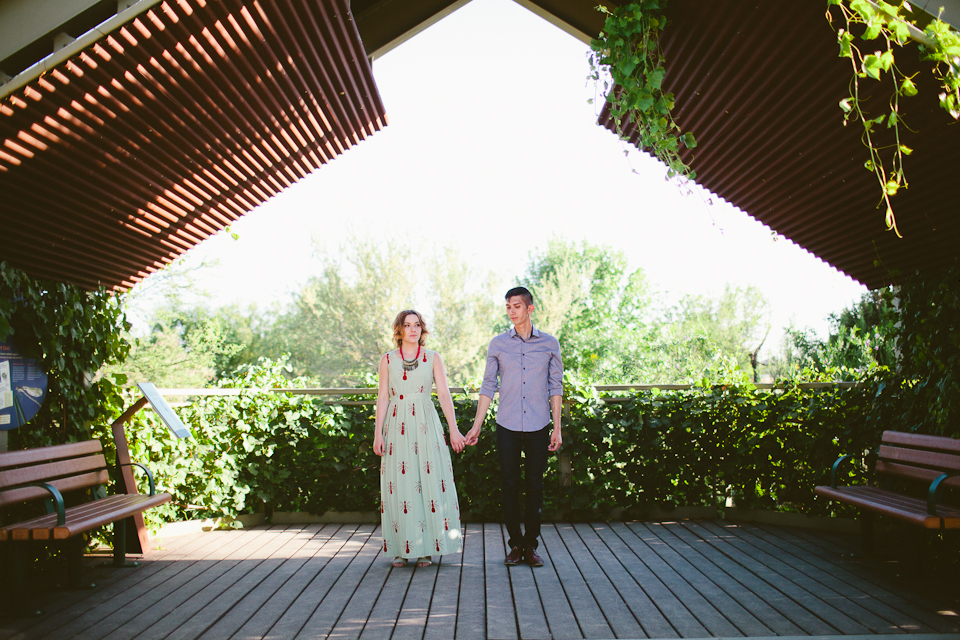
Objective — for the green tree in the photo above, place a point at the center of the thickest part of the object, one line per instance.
(861, 336)
(588, 299)
(702, 335)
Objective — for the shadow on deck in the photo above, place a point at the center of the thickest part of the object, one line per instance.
(690, 579)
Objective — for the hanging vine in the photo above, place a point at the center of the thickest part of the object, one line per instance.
(627, 54)
(887, 25)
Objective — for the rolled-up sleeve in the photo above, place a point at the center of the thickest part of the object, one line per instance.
(555, 375)
(492, 372)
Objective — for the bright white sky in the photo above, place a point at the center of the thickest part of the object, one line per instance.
(493, 148)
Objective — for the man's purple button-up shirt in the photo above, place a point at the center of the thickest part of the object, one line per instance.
(529, 372)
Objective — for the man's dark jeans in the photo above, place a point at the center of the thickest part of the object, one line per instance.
(533, 445)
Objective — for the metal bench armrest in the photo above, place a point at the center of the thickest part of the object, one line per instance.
(153, 488)
(833, 469)
(58, 501)
(932, 493)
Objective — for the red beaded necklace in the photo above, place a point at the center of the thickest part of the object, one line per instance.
(405, 363)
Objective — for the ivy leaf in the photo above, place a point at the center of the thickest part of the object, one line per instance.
(845, 105)
(907, 87)
(905, 150)
(872, 66)
(886, 60)
(689, 141)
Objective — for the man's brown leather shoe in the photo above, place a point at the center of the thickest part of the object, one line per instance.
(532, 558)
(514, 557)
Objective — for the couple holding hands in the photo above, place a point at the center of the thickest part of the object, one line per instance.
(420, 515)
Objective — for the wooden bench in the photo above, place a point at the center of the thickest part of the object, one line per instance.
(46, 474)
(928, 461)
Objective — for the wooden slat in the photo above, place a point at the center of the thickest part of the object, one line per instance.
(50, 470)
(876, 615)
(162, 593)
(921, 441)
(74, 483)
(852, 574)
(617, 614)
(471, 619)
(225, 614)
(645, 544)
(319, 577)
(125, 508)
(894, 505)
(441, 622)
(501, 615)
(334, 603)
(844, 616)
(281, 582)
(293, 577)
(914, 473)
(578, 597)
(948, 462)
(47, 454)
(748, 611)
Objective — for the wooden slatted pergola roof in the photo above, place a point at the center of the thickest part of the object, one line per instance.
(131, 148)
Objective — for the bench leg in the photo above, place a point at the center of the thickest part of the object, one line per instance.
(120, 545)
(19, 562)
(866, 534)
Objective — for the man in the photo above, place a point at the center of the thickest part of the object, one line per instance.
(527, 363)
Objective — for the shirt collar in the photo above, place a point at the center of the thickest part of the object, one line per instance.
(534, 333)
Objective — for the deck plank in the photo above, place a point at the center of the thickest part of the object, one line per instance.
(645, 544)
(61, 607)
(863, 574)
(197, 605)
(152, 599)
(882, 597)
(501, 615)
(585, 609)
(669, 617)
(878, 616)
(472, 604)
(351, 606)
(731, 581)
(315, 555)
(691, 579)
(701, 578)
(344, 547)
(615, 611)
(806, 592)
(441, 620)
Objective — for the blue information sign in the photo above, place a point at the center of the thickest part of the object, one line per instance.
(23, 387)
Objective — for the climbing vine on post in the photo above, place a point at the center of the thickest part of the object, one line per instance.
(887, 25)
(628, 49)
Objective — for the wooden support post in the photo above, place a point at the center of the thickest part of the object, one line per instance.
(138, 541)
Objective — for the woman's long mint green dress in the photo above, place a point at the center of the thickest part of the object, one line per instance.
(419, 512)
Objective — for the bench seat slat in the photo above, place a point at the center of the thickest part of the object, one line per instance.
(920, 441)
(892, 504)
(47, 454)
(947, 462)
(83, 518)
(22, 494)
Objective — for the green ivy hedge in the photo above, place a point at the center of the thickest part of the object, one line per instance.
(264, 451)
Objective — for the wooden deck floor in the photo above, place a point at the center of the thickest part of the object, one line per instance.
(692, 579)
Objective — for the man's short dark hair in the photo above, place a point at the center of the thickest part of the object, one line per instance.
(523, 292)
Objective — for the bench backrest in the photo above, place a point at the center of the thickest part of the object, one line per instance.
(919, 457)
(67, 467)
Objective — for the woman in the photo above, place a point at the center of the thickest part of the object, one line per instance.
(420, 515)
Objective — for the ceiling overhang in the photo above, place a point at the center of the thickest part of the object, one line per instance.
(162, 132)
(761, 96)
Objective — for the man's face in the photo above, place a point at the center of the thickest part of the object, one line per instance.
(517, 310)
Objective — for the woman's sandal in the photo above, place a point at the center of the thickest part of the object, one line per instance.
(425, 561)
(399, 562)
